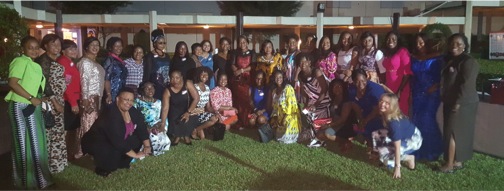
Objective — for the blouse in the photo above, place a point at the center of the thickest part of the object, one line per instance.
(220, 97)
(269, 66)
(344, 58)
(92, 77)
(329, 66)
(30, 78)
(72, 80)
(135, 72)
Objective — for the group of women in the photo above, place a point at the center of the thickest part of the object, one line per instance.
(124, 109)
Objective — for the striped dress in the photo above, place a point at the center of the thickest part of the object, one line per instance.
(312, 89)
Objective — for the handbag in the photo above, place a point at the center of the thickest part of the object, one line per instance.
(266, 133)
(219, 130)
(49, 119)
(229, 113)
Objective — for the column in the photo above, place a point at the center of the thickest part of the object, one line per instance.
(468, 22)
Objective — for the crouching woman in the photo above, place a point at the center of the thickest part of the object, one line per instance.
(117, 136)
(399, 139)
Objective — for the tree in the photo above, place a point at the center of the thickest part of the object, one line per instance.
(260, 8)
(12, 29)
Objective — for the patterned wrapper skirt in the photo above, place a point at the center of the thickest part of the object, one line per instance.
(384, 146)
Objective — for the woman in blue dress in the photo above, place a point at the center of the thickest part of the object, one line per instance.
(258, 93)
(426, 66)
(157, 64)
(115, 70)
(206, 59)
(366, 94)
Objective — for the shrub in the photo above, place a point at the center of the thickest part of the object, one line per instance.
(12, 29)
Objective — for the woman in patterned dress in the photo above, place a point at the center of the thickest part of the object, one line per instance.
(346, 55)
(157, 63)
(326, 59)
(205, 117)
(115, 70)
(285, 115)
(370, 58)
(151, 109)
(221, 100)
(56, 87)
(29, 152)
(269, 60)
(92, 77)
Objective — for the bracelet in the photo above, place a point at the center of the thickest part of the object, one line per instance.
(30, 98)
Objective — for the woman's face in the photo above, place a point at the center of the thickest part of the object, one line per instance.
(392, 41)
(70, 52)
(346, 40)
(457, 46)
(176, 78)
(420, 44)
(367, 42)
(117, 48)
(138, 54)
(268, 49)
(384, 104)
(160, 44)
(31, 49)
(149, 90)
(53, 48)
(198, 51)
(225, 45)
(223, 81)
(203, 77)
(326, 44)
(361, 82)
(305, 64)
(259, 79)
(243, 44)
(337, 89)
(125, 101)
(292, 44)
(206, 47)
(93, 48)
(182, 50)
(278, 79)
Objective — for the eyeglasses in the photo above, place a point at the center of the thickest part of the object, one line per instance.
(127, 100)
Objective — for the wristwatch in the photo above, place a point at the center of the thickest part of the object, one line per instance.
(30, 98)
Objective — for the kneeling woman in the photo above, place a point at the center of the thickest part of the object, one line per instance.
(399, 140)
(285, 115)
(117, 136)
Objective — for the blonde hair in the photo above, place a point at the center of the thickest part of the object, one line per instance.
(394, 112)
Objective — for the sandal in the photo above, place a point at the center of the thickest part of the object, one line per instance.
(446, 171)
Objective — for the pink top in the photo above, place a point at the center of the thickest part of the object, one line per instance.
(130, 127)
(329, 66)
(397, 66)
(220, 97)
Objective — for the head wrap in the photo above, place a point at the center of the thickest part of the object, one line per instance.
(156, 35)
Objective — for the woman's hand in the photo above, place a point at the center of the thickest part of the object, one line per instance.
(139, 155)
(237, 72)
(185, 117)
(347, 73)
(108, 98)
(147, 150)
(432, 89)
(36, 101)
(75, 109)
(397, 172)
(58, 107)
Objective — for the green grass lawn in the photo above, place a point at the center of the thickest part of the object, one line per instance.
(242, 163)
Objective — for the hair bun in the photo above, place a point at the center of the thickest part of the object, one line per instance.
(156, 34)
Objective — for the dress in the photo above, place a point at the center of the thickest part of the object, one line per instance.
(398, 130)
(72, 92)
(56, 145)
(269, 66)
(157, 71)
(222, 64)
(30, 166)
(344, 61)
(209, 63)
(259, 98)
(458, 82)
(285, 116)
(367, 103)
(186, 66)
(221, 97)
(398, 66)
(92, 77)
(179, 104)
(372, 63)
(312, 89)
(328, 66)
(152, 115)
(424, 108)
(240, 87)
(204, 99)
(290, 66)
(116, 73)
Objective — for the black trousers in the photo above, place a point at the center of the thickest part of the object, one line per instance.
(71, 120)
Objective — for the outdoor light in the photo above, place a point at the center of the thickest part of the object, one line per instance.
(39, 26)
(320, 7)
(206, 27)
(351, 27)
(5, 39)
